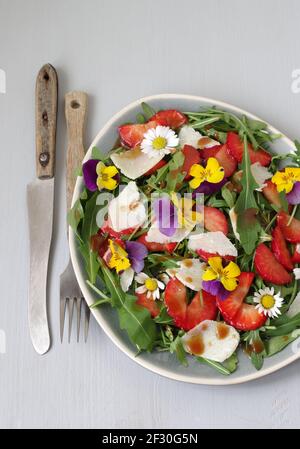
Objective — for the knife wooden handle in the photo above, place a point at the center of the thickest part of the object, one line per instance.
(45, 120)
(75, 110)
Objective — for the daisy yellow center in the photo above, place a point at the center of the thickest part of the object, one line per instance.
(159, 143)
(151, 284)
(267, 301)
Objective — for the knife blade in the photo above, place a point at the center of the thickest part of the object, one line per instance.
(40, 203)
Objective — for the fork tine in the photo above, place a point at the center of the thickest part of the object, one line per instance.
(70, 310)
(78, 306)
(62, 318)
(86, 320)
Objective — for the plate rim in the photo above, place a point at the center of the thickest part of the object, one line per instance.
(86, 292)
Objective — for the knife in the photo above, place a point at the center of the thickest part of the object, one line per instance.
(40, 202)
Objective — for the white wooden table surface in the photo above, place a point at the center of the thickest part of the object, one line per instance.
(237, 51)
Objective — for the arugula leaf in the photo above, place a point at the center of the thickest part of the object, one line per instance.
(147, 110)
(175, 176)
(89, 225)
(176, 347)
(140, 118)
(276, 344)
(137, 322)
(257, 360)
(228, 196)
(91, 262)
(97, 154)
(231, 363)
(216, 365)
(284, 325)
(112, 283)
(246, 208)
(75, 215)
(164, 317)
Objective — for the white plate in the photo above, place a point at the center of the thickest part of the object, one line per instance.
(164, 363)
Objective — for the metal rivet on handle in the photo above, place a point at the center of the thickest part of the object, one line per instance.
(44, 158)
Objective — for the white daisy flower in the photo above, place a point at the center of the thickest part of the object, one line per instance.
(159, 141)
(267, 302)
(151, 286)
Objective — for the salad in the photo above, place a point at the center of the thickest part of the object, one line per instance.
(190, 229)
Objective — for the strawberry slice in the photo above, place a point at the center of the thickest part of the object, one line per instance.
(225, 159)
(191, 157)
(99, 243)
(200, 309)
(188, 316)
(155, 168)
(233, 302)
(148, 303)
(280, 249)
(290, 230)
(176, 301)
(170, 117)
(270, 192)
(237, 313)
(215, 220)
(206, 153)
(157, 247)
(107, 229)
(236, 149)
(204, 255)
(248, 318)
(132, 135)
(296, 255)
(268, 267)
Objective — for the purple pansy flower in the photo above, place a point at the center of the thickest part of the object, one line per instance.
(215, 288)
(90, 174)
(294, 196)
(165, 213)
(208, 188)
(136, 253)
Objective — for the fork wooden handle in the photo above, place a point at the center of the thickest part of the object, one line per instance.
(75, 111)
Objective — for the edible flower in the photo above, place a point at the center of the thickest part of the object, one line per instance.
(151, 286)
(119, 257)
(127, 260)
(98, 176)
(166, 216)
(137, 252)
(219, 280)
(188, 211)
(175, 213)
(159, 141)
(267, 302)
(213, 173)
(288, 181)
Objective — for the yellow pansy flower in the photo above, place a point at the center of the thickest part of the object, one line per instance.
(226, 275)
(105, 179)
(119, 259)
(213, 173)
(187, 217)
(285, 180)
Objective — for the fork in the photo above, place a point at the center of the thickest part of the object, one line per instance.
(70, 293)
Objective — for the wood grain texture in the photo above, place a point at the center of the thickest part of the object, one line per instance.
(76, 112)
(46, 91)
